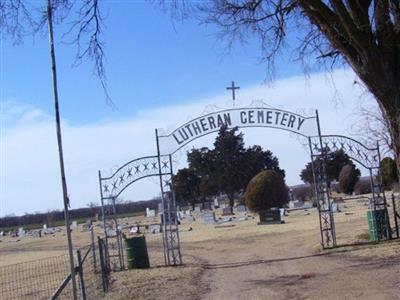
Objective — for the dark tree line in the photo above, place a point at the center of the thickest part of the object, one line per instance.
(225, 169)
(79, 213)
(334, 162)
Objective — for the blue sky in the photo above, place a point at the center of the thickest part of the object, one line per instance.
(151, 60)
(160, 75)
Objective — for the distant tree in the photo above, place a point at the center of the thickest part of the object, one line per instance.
(303, 192)
(225, 169)
(266, 190)
(334, 163)
(389, 172)
(186, 185)
(363, 186)
(348, 177)
(235, 165)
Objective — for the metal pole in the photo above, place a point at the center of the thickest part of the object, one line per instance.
(174, 205)
(395, 216)
(165, 245)
(326, 180)
(80, 270)
(316, 190)
(102, 264)
(60, 149)
(379, 175)
(93, 247)
(102, 209)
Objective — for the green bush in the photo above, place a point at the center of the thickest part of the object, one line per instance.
(363, 186)
(266, 190)
(348, 177)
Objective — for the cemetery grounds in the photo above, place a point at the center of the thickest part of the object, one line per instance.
(240, 260)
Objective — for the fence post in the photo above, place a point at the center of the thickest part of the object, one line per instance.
(80, 272)
(102, 265)
(93, 247)
(395, 215)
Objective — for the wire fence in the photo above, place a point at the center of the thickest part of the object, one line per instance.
(50, 278)
(35, 279)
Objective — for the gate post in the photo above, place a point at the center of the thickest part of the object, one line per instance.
(327, 223)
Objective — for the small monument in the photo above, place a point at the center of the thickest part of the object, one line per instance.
(150, 213)
(209, 217)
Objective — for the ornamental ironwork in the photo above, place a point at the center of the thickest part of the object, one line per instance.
(367, 157)
(132, 171)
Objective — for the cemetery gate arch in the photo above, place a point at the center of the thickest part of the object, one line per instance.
(169, 143)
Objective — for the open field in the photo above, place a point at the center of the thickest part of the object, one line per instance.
(246, 261)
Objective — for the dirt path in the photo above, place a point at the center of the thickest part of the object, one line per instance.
(285, 266)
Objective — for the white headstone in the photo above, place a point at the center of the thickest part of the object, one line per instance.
(44, 226)
(150, 213)
(74, 224)
(21, 231)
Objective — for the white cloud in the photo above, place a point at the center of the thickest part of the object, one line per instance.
(31, 180)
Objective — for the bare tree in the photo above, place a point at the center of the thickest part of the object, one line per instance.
(371, 127)
(21, 18)
(362, 34)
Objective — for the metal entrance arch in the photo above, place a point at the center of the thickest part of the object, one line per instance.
(167, 144)
(367, 157)
(306, 126)
(111, 187)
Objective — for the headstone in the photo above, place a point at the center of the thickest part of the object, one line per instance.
(295, 204)
(307, 204)
(44, 226)
(335, 207)
(207, 206)
(216, 204)
(227, 211)
(155, 228)
(197, 208)
(74, 224)
(150, 213)
(21, 231)
(209, 217)
(241, 208)
(271, 216)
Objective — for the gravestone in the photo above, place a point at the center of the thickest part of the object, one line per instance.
(335, 207)
(21, 232)
(155, 228)
(295, 204)
(207, 206)
(209, 217)
(271, 216)
(150, 213)
(44, 226)
(216, 204)
(241, 208)
(227, 211)
(74, 224)
(197, 208)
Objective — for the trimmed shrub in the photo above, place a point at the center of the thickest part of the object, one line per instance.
(266, 190)
(363, 186)
(348, 177)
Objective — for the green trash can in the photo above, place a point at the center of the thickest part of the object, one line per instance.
(378, 229)
(136, 253)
